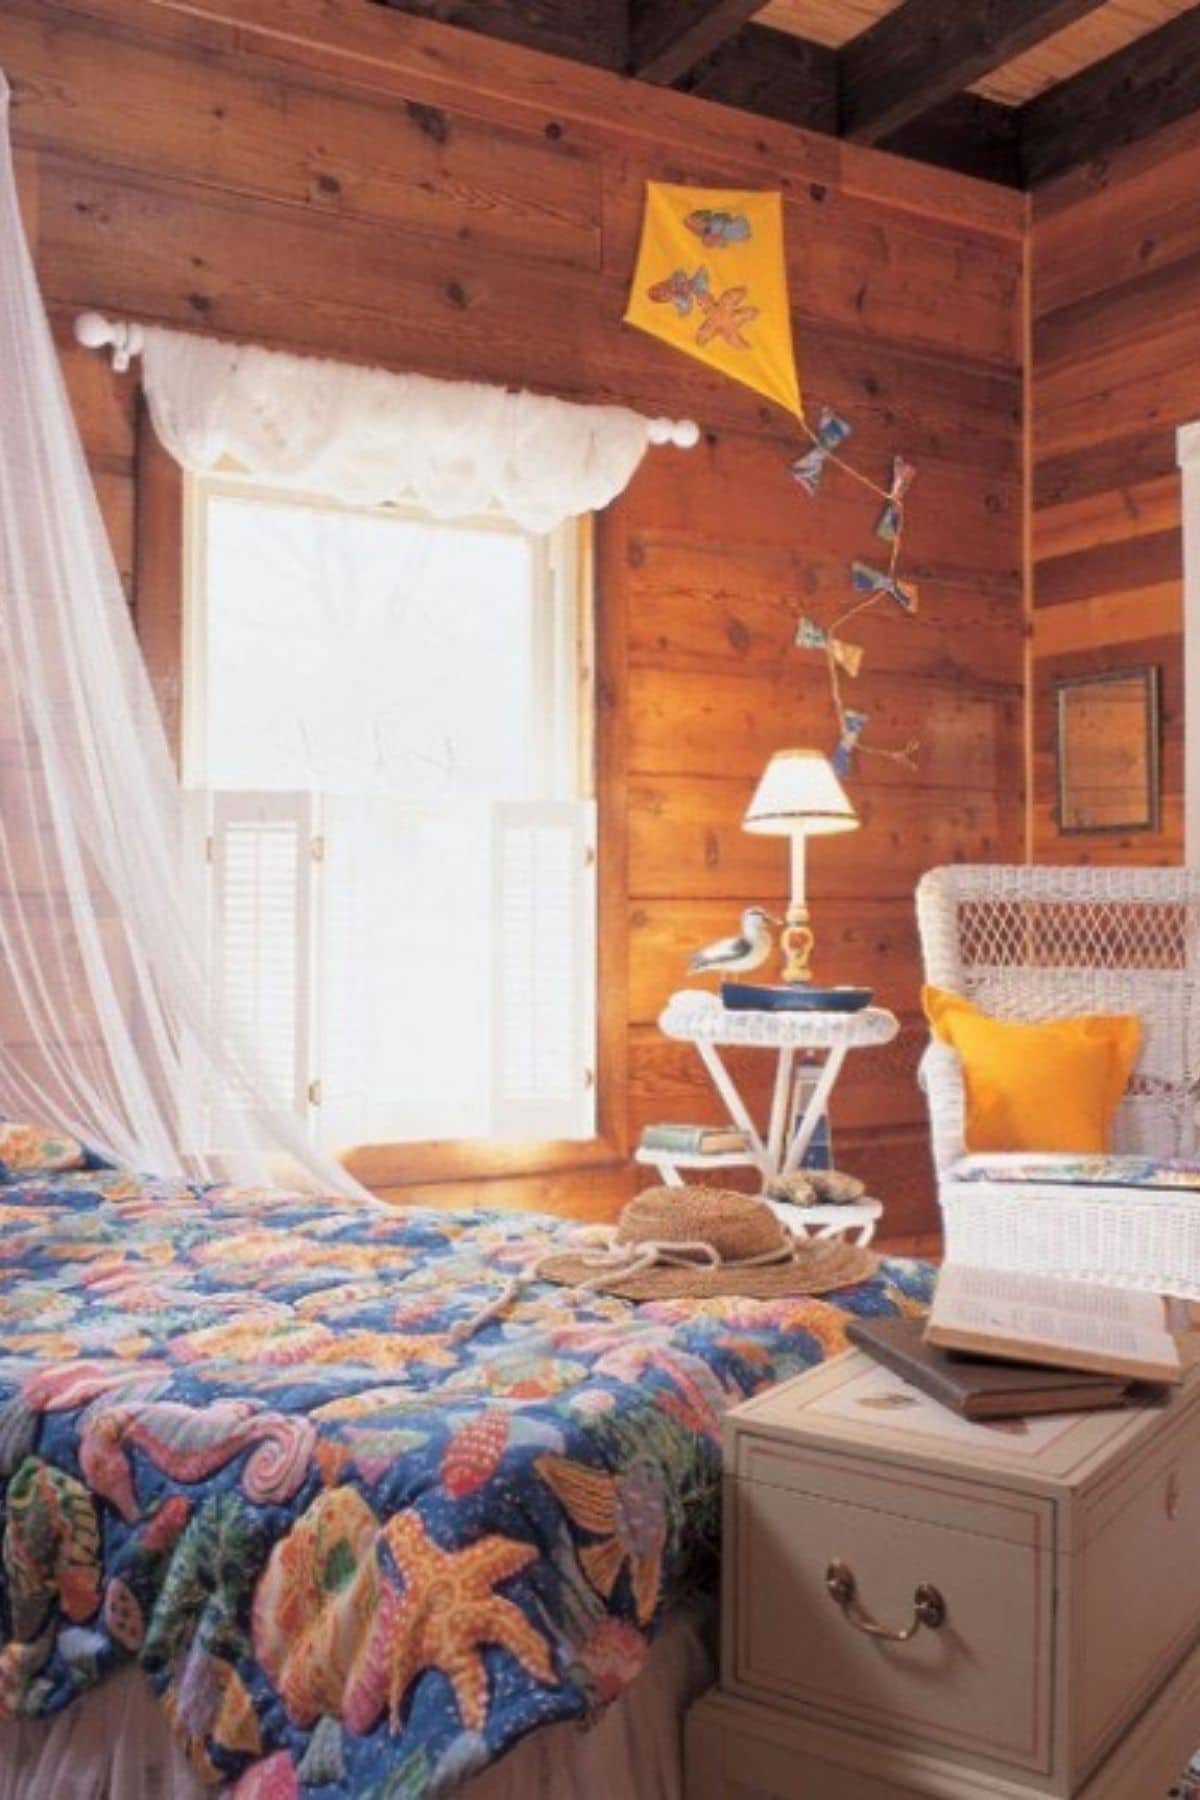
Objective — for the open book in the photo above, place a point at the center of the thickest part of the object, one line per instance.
(1065, 1324)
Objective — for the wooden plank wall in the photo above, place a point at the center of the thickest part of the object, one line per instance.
(342, 179)
(1115, 369)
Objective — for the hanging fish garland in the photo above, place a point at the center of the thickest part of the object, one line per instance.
(891, 519)
(811, 636)
(881, 584)
(854, 723)
(808, 469)
(871, 585)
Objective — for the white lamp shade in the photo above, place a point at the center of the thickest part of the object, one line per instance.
(798, 795)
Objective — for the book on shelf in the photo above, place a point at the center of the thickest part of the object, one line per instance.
(1022, 1318)
(694, 1140)
(978, 1390)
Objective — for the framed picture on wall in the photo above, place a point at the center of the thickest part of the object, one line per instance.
(1107, 749)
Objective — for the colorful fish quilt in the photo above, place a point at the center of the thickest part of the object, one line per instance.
(711, 280)
(354, 1553)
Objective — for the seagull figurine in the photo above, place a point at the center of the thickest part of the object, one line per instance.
(738, 955)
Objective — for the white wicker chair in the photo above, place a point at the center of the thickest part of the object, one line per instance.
(1041, 943)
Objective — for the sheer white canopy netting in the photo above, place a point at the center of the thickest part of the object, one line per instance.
(105, 1026)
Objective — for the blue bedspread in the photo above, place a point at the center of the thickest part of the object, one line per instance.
(354, 1556)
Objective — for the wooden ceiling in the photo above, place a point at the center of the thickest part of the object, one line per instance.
(1061, 54)
(1014, 90)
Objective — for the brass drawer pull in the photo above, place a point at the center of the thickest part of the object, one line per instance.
(929, 1609)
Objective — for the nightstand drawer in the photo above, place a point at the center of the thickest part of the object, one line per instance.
(979, 1683)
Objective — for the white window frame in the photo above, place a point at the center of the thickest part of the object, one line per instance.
(562, 564)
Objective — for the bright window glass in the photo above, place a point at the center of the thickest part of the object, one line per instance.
(414, 690)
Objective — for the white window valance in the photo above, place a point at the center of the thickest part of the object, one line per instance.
(368, 436)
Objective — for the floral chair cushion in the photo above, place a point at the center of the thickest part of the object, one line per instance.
(1175, 1173)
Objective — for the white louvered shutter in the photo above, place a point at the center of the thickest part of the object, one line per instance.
(263, 854)
(543, 1012)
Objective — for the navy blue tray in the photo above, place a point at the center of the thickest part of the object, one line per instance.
(747, 996)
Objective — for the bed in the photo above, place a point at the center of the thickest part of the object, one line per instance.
(244, 1452)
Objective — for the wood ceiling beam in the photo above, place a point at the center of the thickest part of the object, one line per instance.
(589, 31)
(969, 133)
(781, 76)
(926, 51)
(773, 74)
(1151, 83)
(669, 37)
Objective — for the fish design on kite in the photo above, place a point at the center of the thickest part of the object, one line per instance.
(717, 230)
(680, 289)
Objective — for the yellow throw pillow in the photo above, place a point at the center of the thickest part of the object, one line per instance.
(1052, 1087)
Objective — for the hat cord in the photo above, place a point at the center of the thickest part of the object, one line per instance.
(674, 1253)
(669, 1253)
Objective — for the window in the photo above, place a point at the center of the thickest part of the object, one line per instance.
(387, 719)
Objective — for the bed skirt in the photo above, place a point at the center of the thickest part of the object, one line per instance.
(114, 1743)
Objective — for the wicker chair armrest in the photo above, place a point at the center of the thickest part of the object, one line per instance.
(941, 1077)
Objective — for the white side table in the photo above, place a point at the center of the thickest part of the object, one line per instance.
(857, 1216)
(800, 1096)
(855, 1219)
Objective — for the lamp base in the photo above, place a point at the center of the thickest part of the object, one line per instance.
(796, 942)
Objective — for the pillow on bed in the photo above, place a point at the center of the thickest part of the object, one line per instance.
(36, 1150)
(1051, 1087)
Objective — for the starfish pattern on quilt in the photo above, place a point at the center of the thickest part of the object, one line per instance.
(448, 1610)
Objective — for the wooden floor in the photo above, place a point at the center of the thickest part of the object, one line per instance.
(928, 1245)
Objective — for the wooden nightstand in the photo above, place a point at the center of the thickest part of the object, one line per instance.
(1044, 1577)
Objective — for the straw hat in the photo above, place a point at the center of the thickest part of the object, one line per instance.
(697, 1243)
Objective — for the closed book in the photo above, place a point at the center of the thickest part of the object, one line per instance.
(981, 1390)
(694, 1140)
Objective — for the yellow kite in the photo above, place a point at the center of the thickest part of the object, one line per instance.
(711, 280)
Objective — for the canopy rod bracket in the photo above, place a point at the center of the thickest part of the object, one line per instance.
(95, 332)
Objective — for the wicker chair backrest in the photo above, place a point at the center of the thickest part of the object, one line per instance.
(1042, 943)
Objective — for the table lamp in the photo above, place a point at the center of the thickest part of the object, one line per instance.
(798, 796)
